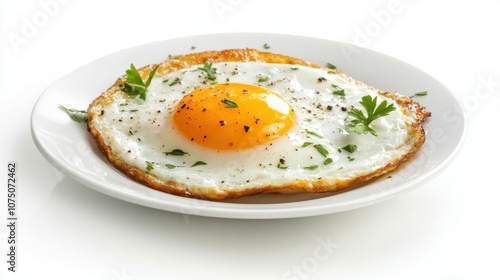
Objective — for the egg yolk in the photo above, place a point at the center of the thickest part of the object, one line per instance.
(232, 116)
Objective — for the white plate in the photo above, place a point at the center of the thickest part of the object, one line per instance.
(67, 145)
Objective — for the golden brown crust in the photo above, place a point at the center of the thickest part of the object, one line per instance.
(243, 55)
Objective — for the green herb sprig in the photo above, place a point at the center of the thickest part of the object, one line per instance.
(207, 68)
(419, 94)
(229, 103)
(76, 115)
(361, 123)
(134, 85)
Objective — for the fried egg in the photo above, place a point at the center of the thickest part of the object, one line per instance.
(254, 126)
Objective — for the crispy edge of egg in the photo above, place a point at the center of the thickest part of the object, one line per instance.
(416, 113)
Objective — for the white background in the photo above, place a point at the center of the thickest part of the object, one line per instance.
(446, 230)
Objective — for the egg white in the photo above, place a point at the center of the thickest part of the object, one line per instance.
(141, 131)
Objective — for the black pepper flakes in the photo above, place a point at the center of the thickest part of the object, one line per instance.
(321, 79)
(222, 123)
(344, 109)
(246, 127)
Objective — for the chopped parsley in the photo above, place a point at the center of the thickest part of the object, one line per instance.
(418, 94)
(330, 66)
(327, 161)
(281, 166)
(134, 85)
(199, 163)
(263, 79)
(229, 103)
(311, 167)
(175, 152)
(324, 152)
(338, 91)
(306, 144)
(351, 148)
(149, 166)
(76, 115)
(313, 133)
(360, 123)
(207, 68)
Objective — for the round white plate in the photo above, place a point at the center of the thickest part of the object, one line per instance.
(68, 146)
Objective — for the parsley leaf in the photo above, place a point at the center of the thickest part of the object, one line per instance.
(338, 90)
(170, 166)
(207, 68)
(263, 79)
(149, 166)
(76, 115)
(327, 161)
(322, 150)
(312, 167)
(360, 123)
(229, 103)
(351, 148)
(199, 163)
(422, 93)
(134, 85)
(175, 152)
(280, 166)
(306, 144)
(330, 66)
(313, 133)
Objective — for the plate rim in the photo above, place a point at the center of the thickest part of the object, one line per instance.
(223, 212)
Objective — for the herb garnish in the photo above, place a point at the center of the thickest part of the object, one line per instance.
(361, 123)
(207, 68)
(149, 166)
(176, 152)
(229, 103)
(263, 79)
(306, 144)
(266, 46)
(324, 152)
(331, 66)
(422, 93)
(134, 85)
(351, 148)
(76, 115)
(170, 166)
(280, 166)
(313, 133)
(327, 161)
(312, 167)
(338, 91)
(199, 163)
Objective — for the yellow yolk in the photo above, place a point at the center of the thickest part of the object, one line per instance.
(233, 116)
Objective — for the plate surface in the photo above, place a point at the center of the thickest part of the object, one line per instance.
(68, 146)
